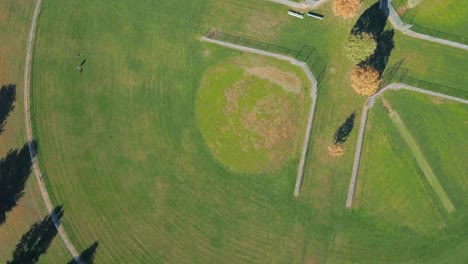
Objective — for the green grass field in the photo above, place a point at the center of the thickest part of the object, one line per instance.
(392, 186)
(124, 151)
(443, 132)
(421, 160)
(446, 16)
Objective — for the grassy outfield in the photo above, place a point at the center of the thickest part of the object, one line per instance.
(431, 62)
(442, 133)
(393, 188)
(14, 26)
(422, 162)
(124, 152)
(446, 16)
(251, 110)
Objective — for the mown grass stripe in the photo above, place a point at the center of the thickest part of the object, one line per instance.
(422, 162)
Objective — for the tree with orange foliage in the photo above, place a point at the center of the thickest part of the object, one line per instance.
(336, 150)
(365, 80)
(346, 8)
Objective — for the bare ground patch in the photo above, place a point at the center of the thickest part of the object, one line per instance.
(269, 122)
(288, 81)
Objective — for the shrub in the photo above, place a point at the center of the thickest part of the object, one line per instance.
(360, 46)
(346, 8)
(336, 150)
(365, 80)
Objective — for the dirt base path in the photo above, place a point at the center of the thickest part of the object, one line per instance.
(29, 134)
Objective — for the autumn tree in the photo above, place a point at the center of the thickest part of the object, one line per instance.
(365, 80)
(336, 150)
(360, 46)
(346, 8)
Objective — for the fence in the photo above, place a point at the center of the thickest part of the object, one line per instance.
(399, 74)
(407, 16)
(307, 54)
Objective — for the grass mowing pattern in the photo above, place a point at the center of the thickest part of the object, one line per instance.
(418, 155)
(124, 154)
(391, 187)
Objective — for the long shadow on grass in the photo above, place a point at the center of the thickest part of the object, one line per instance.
(342, 133)
(87, 256)
(7, 99)
(373, 21)
(15, 168)
(37, 240)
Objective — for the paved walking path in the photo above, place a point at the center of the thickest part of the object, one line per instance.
(313, 96)
(29, 135)
(368, 105)
(357, 155)
(405, 29)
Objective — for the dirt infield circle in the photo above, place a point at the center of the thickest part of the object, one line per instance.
(249, 115)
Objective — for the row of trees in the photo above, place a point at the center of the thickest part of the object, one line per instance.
(368, 46)
(365, 79)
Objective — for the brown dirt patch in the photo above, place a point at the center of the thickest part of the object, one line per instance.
(288, 81)
(269, 122)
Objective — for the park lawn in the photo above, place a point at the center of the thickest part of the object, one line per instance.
(122, 151)
(14, 27)
(422, 162)
(391, 185)
(447, 16)
(432, 62)
(439, 126)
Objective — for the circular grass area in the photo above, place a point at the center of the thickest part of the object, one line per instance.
(250, 113)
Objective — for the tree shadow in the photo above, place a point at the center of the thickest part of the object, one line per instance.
(37, 240)
(342, 133)
(15, 169)
(372, 21)
(385, 45)
(7, 99)
(87, 256)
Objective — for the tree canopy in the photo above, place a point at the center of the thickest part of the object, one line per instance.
(360, 46)
(365, 80)
(346, 8)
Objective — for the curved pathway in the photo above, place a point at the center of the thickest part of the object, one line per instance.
(368, 105)
(29, 135)
(313, 96)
